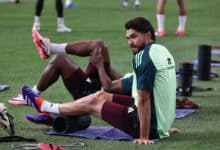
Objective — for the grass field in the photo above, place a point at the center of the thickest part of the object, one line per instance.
(92, 19)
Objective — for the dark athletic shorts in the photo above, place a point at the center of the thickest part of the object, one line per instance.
(121, 113)
(82, 87)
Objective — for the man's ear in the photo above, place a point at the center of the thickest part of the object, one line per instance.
(148, 35)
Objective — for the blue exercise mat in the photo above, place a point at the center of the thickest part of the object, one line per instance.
(111, 133)
(195, 76)
(3, 87)
(213, 64)
(216, 51)
(181, 113)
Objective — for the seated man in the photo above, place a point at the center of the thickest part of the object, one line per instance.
(146, 115)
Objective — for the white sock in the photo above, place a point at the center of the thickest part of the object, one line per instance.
(50, 107)
(182, 22)
(58, 48)
(36, 19)
(137, 2)
(160, 22)
(60, 21)
(36, 91)
(125, 3)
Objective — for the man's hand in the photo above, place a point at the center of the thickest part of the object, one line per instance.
(143, 141)
(97, 58)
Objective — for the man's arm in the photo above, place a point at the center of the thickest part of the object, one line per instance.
(107, 83)
(144, 112)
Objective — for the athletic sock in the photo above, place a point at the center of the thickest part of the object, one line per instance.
(36, 91)
(50, 107)
(37, 19)
(60, 21)
(160, 22)
(58, 48)
(182, 22)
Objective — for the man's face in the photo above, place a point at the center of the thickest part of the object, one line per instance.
(136, 40)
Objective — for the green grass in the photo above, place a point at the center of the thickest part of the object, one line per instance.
(92, 19)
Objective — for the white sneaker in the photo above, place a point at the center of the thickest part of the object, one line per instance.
(36, 26)
(69, 4)
(63, 28)
(137, 4)
(18, 100)
(125, 4)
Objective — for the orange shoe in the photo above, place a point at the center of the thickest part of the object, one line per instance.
(160, 33)
(180, 33)
(42, 44)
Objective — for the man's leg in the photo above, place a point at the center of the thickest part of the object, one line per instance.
(160, 15)
(182, 18)
(61, 27)
(70, 72)
(79, 48)
(38, 9)
(119, 111)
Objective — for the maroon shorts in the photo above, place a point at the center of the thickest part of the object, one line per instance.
(119, 114)
(80, 87)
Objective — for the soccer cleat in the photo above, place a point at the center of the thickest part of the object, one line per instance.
(160, 33)
(63, 28)
(36, 26)
(31, 98)
(180, 33)
(18, 100)
(41, 118)
(42, 44)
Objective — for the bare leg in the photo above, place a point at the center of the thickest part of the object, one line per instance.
(85, 48)
(182, 10)
(60, 65)
(161, 6)
(91, 104)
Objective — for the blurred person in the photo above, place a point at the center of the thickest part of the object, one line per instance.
(126, 2)
(182, 18)
(13, 1)
(145, 104)
(61, 27)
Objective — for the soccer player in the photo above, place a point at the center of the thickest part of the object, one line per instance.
(149, 112)
(180, 31)
(61, 27)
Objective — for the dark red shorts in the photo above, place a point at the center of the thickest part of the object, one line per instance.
(80, 86)
(121, 113)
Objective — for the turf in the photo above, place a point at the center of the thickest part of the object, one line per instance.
(102, 19)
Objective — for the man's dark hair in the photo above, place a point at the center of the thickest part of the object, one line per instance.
(142, 25)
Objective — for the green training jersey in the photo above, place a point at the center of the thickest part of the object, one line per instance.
(154, 70)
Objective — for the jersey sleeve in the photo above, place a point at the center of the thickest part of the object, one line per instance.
(145, 75)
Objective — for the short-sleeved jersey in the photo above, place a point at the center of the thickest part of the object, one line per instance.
(154, 71)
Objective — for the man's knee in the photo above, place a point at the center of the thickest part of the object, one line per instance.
(98, 97)
(59, 59)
